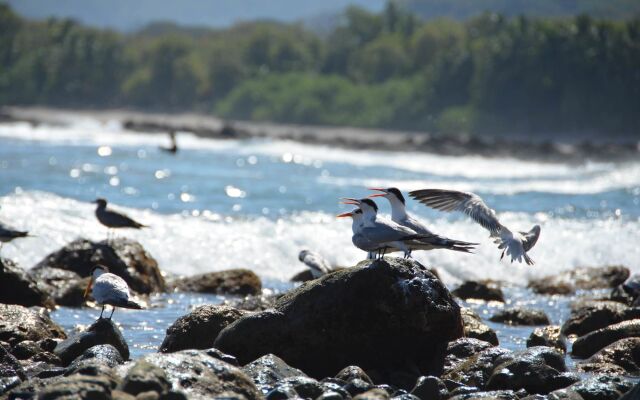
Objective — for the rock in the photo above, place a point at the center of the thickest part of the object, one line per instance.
(373, 394)
(267, 370)
(430, 388)
(633, 394)
(520, 316)
(233, 281)
(587, 278)
(11, 372)
(536, 370)
(587, 345)
(481, 290)
(357, 386)
(303, 386)
(102, 353)
(475, 328)
(215, 353)
(461, 349)
(103, 331)
(17, 287)
(77, 387)
(352, 372)
(253, 303)
(66, 288)
(26, 349)
(123, 257)
(303, 276)
(199, 328)
(477, 369)
(145, 377)
(592, 315)
(624, 353)
(549, 336)
(199, 375)
(18, 323)
(379, 314)
(492, 395)
(599, 387)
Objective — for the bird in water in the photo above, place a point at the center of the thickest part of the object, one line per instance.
(512, 243)
(317, 264)
(112, 219)
(109, 289)
(173, 149)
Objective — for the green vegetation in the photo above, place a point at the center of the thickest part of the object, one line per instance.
(490, 74)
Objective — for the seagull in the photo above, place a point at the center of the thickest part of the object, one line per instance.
(7, 234)
(400, 216)
(109, 289)
(381, 234)
(112, 219)
(514, 244)
(317, 264)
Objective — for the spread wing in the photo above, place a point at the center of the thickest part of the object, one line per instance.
(466, 202)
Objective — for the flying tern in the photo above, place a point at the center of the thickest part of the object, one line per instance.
(109, 289)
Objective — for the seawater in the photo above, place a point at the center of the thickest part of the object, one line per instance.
(256, 203)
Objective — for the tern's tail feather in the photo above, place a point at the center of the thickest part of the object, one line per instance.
(512, 247)
(131, 304)
(440, 242)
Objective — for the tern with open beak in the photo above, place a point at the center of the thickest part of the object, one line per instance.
(109, 289)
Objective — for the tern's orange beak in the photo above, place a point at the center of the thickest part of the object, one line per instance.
(350, 200)
(344, 215)
(88, 289)
(377, 195)
(384, 192)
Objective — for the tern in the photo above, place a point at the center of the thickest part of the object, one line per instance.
(514, 244)
(7, 234)
(360, 240)
(317, 264)
(380, 234)
(109, 289)
(112, 219)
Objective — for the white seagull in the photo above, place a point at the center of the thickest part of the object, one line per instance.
(109, 289)
(317, 264)
(514, 244)
(112, 219)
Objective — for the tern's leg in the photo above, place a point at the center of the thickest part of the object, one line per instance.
(101, 312)
(112, 311)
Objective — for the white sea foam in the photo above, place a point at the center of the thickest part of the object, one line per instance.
(189, 245)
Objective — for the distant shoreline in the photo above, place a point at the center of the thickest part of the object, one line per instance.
(346, 137)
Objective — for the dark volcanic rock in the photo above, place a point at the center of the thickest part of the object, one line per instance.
(199, 328)
(77, 387)
(592, 315)
(267, 370)
(11, 372)
(18, 323)
(585, 346)
(232, 281)
(199, 375)
(145, 377)
(492, 395)
(253, 303)
(461, 349)
(103, 331)
(379, 314)
(489, 291)
(476, 370)
(123, 257)
(520, 316)
(548, 336)
(624, 353)
(352, 372)
(65, 287)
(104, 353)
(599, 387)
(475, 328)
(580, 278)
(373, 394)
(430, 388)
(17, 287)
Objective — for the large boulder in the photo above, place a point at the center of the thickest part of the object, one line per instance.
(18, 323)
(17, 287)
(520, 316)
(598, 387)
(475, 328)
(592, 315)
(624, 353)
(65, 287)
(479, 290)
(383, 314)
(267, 370)
(103, 331)
(145, 377)
(200, 375)
(232, 281)
(587, 345)
(587, 278)
(550, 336)
(461, 349)
(199, 328)
(123, 257)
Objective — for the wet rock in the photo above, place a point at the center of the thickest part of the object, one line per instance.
(395, 307)
(373, 394)
(253, 303)
(461, 349)
(599, 387)
(536, 370)
(65, 287)
(481, 290)
(77, 387)
(17, 287)
(199, 328)
(233, 281)
(477, 369)
(587, 345)
(549, 336)
(430, 388)
(633, 394)
(104, 353)
(520, 316)
(26, 349)
(357, 386)
(123, 257)
(229, 359)
(145, 377)
(568, 282)
(352, 372)
(305, 387)
(18, 323)
(267, 370)
(624, 353)
(491, 395)
(592, 315)
(199, 375)
(103, 331)
(475, 328)
(11, 372)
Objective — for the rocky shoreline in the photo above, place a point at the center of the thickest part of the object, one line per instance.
(386, 329)
(352, 138)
